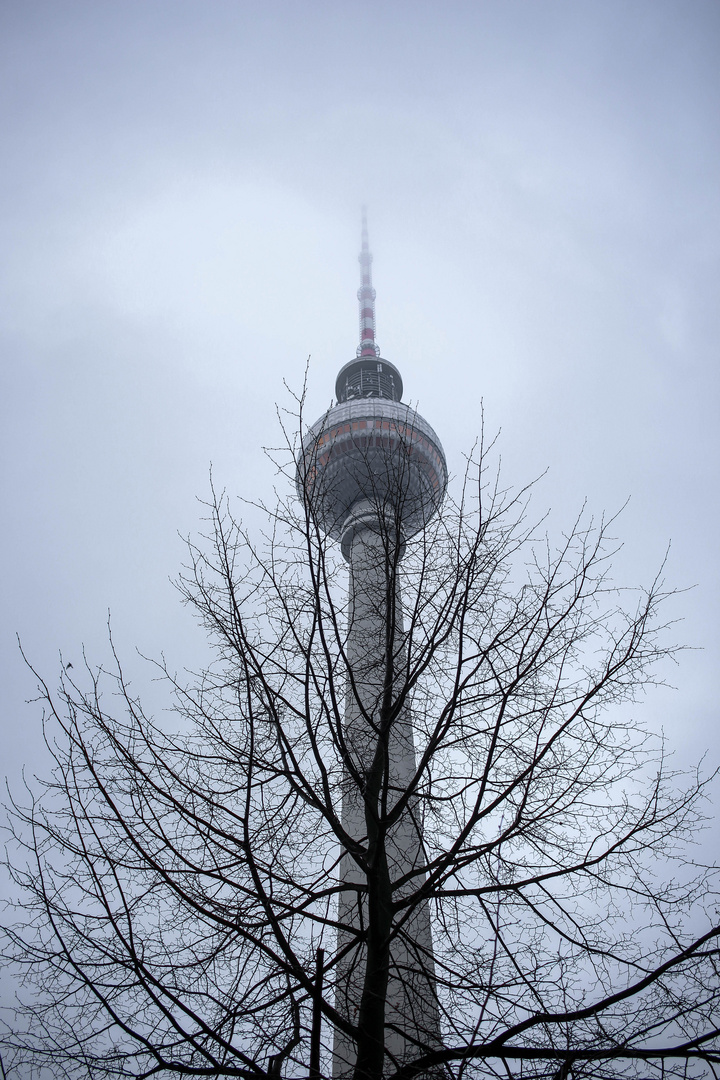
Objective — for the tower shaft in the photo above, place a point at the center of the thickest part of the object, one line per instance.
(396, 951)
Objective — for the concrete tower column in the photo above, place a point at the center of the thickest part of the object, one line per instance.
(377, 656)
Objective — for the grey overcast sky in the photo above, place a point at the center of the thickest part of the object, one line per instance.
(180, 201)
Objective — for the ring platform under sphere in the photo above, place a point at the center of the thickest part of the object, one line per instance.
(370, 448)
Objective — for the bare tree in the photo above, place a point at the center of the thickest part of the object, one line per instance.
(183, 904)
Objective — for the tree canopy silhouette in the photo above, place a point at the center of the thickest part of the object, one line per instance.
(180, 904)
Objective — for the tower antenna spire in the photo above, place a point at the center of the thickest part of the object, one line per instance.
(366, 296)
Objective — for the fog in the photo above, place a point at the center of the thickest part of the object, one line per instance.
(180, 209)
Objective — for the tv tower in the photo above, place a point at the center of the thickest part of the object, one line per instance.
(373, 473)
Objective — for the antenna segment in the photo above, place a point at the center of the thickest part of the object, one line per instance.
(366, 296)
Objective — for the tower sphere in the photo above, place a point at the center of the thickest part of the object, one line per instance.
(373, 449)
(370, 454)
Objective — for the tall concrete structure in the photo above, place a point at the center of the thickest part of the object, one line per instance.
(375, 473)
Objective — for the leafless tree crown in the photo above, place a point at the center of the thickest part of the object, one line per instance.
(182, 910)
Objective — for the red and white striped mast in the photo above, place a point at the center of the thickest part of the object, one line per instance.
(366, 296)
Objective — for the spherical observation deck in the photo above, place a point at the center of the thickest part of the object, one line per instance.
(371, 449)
